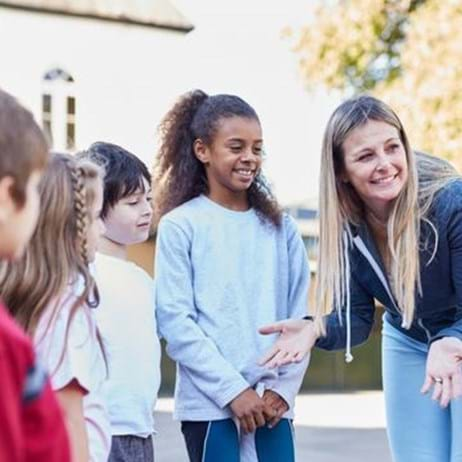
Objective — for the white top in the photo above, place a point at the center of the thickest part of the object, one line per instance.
(126, 320)
(82, 360)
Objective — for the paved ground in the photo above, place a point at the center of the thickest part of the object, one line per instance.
(329, 428)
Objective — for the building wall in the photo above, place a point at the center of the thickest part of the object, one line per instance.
(143, 255)
(125, 75)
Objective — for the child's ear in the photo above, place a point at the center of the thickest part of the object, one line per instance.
(7, 202)
(201, 151)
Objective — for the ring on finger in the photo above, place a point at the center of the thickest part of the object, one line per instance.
(437, 379)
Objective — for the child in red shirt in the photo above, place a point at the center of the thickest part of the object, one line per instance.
(32, 426)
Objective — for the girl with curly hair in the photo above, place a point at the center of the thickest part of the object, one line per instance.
(227, 259)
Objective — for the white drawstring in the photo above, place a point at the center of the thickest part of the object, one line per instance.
(404, 323)
(348, 356)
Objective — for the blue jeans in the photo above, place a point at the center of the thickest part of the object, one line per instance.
(419, 430)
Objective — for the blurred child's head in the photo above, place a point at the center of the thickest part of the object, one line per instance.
(64, 241)
(208, 144)
(127, 206)
(23, 156)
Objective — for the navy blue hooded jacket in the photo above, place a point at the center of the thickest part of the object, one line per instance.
(438, 311)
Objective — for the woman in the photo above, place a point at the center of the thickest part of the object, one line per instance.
(390, 230)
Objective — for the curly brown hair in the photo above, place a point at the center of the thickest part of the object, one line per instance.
(178, 175)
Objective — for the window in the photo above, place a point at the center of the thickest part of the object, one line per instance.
(312, 246)
(70, 125)
(59, 109)
(46, 117)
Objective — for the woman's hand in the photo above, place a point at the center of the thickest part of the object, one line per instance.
(444, 370)
(297, 338)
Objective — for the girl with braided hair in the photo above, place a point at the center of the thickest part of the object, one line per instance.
(50, 291)
(226, 259)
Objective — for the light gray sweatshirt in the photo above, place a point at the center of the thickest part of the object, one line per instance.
(221, 274)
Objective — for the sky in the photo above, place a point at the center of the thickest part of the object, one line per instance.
(237, 47)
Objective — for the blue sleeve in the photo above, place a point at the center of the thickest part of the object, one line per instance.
(290, 377)
(454, 230)
(362, 320)
(176, 316)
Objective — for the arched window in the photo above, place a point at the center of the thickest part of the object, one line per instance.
(59, 109)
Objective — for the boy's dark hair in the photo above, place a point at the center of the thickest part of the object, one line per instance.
(124, 172)
(23, 147)
(179, 175)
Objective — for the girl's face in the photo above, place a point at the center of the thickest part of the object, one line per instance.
(96, 227)
(234, 157)
(375, 164)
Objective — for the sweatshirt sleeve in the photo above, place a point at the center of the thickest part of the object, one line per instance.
(454, 230)
(290, 377)
(176, 316)
(362, 320)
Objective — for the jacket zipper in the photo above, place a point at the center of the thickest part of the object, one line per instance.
(427, 332)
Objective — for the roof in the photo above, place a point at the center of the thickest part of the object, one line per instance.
(151, 13)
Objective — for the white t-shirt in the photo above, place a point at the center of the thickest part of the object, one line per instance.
(126, 320)
(83, 361)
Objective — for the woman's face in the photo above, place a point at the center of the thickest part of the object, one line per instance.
(375, 165)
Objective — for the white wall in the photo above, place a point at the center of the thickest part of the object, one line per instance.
(125, 76)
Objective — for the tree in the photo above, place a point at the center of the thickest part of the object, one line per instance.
(407, 52)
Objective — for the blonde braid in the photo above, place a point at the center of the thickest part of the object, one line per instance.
(81, 212)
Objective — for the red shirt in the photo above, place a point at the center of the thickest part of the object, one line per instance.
(31, 423)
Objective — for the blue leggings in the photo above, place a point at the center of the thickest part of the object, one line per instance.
(219, 440)
(419, 430)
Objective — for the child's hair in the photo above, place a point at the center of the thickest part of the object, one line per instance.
(23, 147)
(124, 172)
(57, 254)
(179, 176)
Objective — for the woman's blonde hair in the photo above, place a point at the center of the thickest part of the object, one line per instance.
(58, 252)
(340, 207)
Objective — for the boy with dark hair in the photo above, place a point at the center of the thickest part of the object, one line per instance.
(33, 428)
(126, 316)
